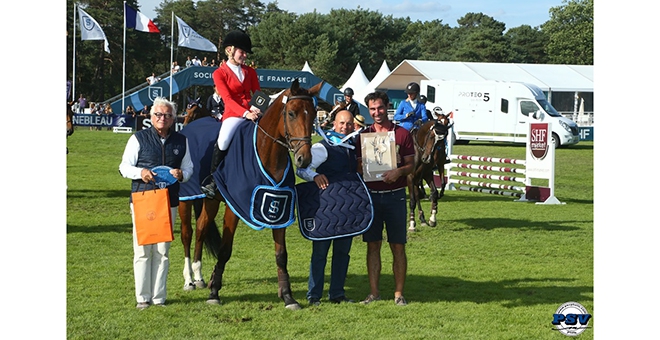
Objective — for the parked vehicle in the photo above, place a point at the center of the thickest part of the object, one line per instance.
(497, 111)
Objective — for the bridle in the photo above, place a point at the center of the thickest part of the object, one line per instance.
(437, 137)
(300, 141)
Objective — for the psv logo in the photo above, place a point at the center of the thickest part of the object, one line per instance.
(539, 135)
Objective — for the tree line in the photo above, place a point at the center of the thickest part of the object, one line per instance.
(331, 43)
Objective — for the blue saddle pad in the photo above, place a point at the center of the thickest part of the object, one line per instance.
(343, 209)
(253, 195)
(202, 134)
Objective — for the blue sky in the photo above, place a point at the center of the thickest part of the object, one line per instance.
(511, 12)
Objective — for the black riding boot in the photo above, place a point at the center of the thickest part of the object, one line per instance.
(218, 156)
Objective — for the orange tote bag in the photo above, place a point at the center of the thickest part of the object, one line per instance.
(153, 216)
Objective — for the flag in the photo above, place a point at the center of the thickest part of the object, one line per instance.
(139, 21)
(90, 29)
(189, 38)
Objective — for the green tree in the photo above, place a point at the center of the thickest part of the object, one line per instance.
(570, 32)
(480, 39)
(527, 45)
(99, 75)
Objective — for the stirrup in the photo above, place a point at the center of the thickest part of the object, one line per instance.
(209, 190)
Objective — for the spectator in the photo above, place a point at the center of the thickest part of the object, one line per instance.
(130, 112)
(82, 102)
(411, 112)
(196, 62)
(188, 62)
(330, 162)
(235, 83)
(213, 64)
(205, 62)
(146, 149)
(152, 79)
(175, 67)
(145, 111)
(389, 202)
(215, 104)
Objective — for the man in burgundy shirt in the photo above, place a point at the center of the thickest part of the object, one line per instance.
(389, 202)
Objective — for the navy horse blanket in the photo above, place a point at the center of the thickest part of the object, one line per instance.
(202, 134)
(343, 209)
(248, 190)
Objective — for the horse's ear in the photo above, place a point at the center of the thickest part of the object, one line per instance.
(197, 100)
(295, 86)
(316, 89)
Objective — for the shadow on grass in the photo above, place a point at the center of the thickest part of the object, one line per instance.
(510, 223)
(90, 193)
(419, 289)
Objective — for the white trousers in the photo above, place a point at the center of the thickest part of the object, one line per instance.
(151, 264)
(227, 131)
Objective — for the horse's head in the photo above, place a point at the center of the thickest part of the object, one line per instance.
(430, 137)
(195, 110)
(290, 121)
(69, 120)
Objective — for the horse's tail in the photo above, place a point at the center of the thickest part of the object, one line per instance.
(213, 239)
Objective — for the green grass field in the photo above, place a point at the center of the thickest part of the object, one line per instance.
(492, 268)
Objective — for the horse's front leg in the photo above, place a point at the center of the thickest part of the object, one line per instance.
(283, 282)
(412, 192)
(434, 202)
(200, 235)
(185, 215)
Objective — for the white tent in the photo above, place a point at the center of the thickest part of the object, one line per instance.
(549, 77)
(382, 74)
(307, 68)
(357, 81)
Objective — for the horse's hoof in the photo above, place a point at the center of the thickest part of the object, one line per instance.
(432, 224)
(412, 229)
(293, 306)
(424, 224)
(200, 284)
(188, 286)
(214, 302)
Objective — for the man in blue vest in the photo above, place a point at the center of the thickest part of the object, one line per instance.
(331, 161)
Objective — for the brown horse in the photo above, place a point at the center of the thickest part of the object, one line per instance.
(201, 138)
(429, 153)
(285, 127)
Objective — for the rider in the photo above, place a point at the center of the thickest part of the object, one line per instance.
(235, 83)
(411, 112)
(351, 105)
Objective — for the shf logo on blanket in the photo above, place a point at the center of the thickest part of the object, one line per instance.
(275, 208)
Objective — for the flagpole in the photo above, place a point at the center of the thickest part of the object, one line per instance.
(73, 85)
(171, 55)
(123, 73)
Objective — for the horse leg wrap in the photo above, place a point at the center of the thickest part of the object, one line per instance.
(284, 286)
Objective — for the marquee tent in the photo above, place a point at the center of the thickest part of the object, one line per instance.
(381, 75)
(357, 80)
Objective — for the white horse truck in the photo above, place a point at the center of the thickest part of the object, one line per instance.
(497, 111)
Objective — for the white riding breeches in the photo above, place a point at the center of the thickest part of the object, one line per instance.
(151, 264)
(227, 131)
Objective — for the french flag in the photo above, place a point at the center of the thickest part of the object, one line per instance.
(139, 21)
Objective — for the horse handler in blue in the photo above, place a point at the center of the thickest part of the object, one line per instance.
(146, 149)
(331, 162)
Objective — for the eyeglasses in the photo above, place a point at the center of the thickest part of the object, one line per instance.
(161, 115)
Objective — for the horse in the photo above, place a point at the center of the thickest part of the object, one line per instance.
(430, 152)
(69, 123)
(201, 137)
(286, 126)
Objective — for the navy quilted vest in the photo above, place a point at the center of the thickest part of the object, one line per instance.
(339, 160)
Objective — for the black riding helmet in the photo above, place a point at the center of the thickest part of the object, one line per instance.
(412, 88)
(348, 92)
(238, 39)
(422, 99)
